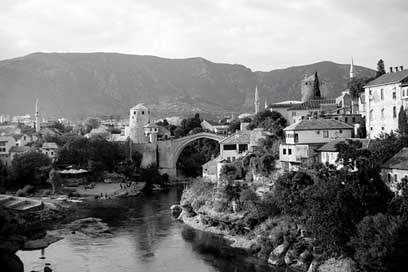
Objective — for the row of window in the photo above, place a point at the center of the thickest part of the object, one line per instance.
(394, 113)
(2, 149)
(394, 93)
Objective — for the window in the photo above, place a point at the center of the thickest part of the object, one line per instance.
(2, 149)
(296, 137)
(382, 128)
(142, 112)
(394, 94)
(289, 151)
(389, 177)
(134, 112)
(371, 115)
(242, 148)
(293, 113)
(336, 118)
(345, 120)
(340, 131)
(369, 92)
(354, 119)
(395, 177)
(382, 94)
(228, 158)
(284, 151)
(230, 147)
(371, 128)
(394, 112)
(382, 113)
(325, 134)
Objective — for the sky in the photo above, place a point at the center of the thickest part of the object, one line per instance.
(260, 34)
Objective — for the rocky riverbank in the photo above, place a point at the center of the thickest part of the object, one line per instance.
(277, 240)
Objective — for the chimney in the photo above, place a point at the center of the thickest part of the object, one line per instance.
(390, 70)
(396, 68)
(402, 68)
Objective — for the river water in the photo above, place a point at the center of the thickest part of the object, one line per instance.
(144, 237)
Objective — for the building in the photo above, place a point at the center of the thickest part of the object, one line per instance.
(235, 146)
(384, 97)
(214, 127)
(300, 111)
(6, 143)
(329, 153)
(395, 169)
(303, 138)
(151, 131)
(50, 149)
(283, 107)
(139, 117)
(101, 131)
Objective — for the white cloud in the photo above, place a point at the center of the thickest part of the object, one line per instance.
(260, 34)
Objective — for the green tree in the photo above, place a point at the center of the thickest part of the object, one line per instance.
(24, 167)
(380, 68)
(356, 85)
(402, 122)
(269, 120)
(234, 125)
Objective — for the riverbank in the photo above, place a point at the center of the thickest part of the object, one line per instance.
(265, 234)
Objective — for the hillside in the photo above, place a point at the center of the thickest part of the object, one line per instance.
(78, 85)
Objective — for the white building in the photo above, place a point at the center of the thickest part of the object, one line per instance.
(214, 127)
(384, 97)
(303, 138)
(395, 169)
(329, 152)
(139, 117)
(50, 149)
(6, 143)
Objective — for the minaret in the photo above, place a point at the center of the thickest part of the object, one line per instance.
(266, 103)
(351, 69)
(37, 117)
(257, 100)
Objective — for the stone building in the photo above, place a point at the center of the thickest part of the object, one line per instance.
(384, 97)
(139, 117)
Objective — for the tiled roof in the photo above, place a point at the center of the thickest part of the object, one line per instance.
(389, 78)
(241, 137)
(331, 146)
(399, 161)
(313, 104)
(50, 145)
(316, 124)
(151, 125)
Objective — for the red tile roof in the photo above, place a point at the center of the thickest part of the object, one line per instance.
(389, 78)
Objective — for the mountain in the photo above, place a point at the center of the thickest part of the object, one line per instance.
(78, 85)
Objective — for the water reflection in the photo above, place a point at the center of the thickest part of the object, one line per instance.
(144, 238)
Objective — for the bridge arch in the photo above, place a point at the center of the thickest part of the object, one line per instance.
(180, 143)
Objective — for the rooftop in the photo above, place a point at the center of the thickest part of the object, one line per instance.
(331, 146)
(50, 145)
(241, 137)
(316, 124)
(313, 104)
(389, 78)
(399, 161)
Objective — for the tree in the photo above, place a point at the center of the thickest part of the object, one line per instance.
(234, 125)
(402, 122)
(380, 68)
(351, 153)
(92, 123)
(25, 166)
(269, 120)
(356, 85)
(362, 130)
(381, 243)
(3, 174)
(316, 87)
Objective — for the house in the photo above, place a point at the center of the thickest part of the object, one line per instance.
(210, 169)
(235, 145)
(6, 143)
(300, 111)
(303, 138)
(384, 97)
(101, 131)
(283, 107)
(329, 153)
(50, 149)
(214, 127)
(395, 169)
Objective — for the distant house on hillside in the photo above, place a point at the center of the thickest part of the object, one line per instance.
(395, 169)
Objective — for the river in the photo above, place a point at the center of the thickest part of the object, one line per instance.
(144, 237)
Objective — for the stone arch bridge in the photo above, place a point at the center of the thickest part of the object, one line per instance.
(165, 154)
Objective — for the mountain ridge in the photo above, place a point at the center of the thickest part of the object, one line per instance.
(77, 85)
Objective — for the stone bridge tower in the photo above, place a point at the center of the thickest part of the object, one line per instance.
(139, 117)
